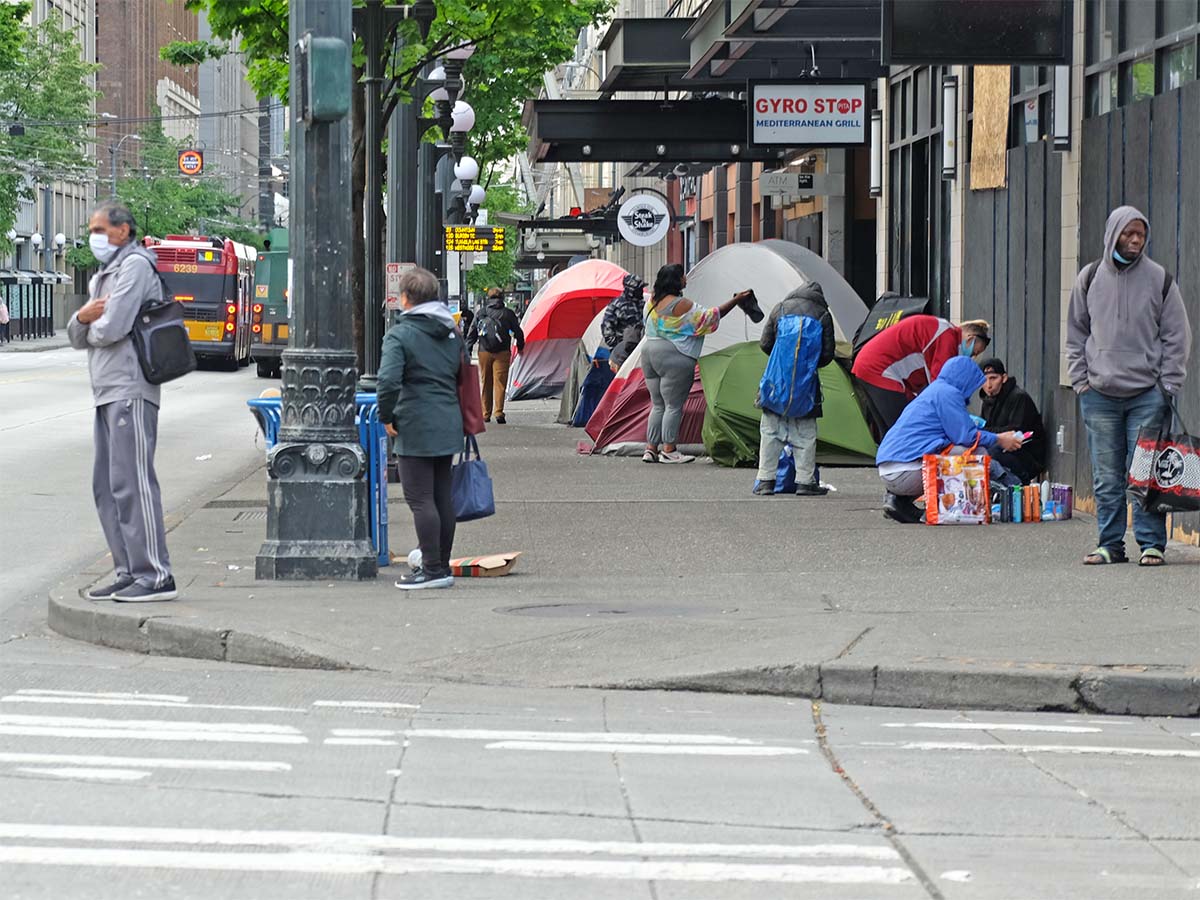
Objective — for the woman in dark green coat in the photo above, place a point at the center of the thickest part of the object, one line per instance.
(418, 405)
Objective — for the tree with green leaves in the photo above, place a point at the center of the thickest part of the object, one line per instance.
(44, 93)
(165, 202)
(516, 42)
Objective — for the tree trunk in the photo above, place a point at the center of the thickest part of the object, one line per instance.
(358, 186)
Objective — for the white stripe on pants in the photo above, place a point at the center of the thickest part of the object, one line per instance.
(126, 491)
(776, 432)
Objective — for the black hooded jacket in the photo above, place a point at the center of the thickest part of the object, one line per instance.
(806, 300)
(1014, 410)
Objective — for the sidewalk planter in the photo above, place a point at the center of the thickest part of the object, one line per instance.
(374, 439)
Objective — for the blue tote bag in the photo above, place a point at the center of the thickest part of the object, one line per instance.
(471, 485)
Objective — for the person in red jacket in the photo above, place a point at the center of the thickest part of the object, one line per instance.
(903, 359)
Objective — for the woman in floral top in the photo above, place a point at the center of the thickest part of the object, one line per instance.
(675, 330)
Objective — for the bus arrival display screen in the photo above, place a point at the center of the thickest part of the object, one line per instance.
(474, 238)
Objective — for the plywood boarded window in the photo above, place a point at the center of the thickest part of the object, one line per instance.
(989, 136)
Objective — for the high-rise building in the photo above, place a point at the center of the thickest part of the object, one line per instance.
(230, 142)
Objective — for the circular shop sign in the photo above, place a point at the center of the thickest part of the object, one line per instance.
(191, 162)
(644, 219)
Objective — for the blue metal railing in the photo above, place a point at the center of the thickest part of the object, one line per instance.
(371, 434)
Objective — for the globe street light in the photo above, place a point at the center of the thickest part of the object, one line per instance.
(477, 195)
(466, 170)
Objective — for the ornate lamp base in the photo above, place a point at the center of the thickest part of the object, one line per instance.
(317, 498)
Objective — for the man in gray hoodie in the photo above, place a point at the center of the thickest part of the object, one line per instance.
(124, 484)
(1128, 339)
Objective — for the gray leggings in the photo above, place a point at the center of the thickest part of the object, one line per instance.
(669, 375)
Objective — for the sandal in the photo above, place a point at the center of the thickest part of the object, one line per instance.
(1152, 556)
(1103, 556)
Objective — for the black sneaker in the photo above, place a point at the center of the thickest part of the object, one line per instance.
(750, 307)
(139, 593)
(811, 490)
(419, 579)
(764, 489)
(902, 510)
(106, 592)
(500, 420)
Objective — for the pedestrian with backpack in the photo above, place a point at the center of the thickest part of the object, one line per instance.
(1128, 340)
(798, 340)
(126, 420)
(494, 329)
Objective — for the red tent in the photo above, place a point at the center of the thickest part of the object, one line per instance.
(555, 321)
(618, 425)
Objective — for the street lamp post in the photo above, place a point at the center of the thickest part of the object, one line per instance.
(317, 510)
(113, 150)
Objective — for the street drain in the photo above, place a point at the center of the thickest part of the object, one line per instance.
(599, 610)
(249, 515)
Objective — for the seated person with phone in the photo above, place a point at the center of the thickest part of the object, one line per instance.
(1008, 408)
(935, 420)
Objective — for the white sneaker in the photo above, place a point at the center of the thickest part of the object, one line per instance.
(650, 456)
(675, 457)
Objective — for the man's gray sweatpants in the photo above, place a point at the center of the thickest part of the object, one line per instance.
(126, 491)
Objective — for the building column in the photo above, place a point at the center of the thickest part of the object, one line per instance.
(720, 207)
(743, 211)
(834, 225)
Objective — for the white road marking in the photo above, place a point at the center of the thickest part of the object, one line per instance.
(591, 737)
(149, 729)
(112, 701)
(659, 749)
(960, 875)
(361, 742)
(350, 842)
(995, 726)
(365, 704)
(213, 765)
(89, 774)
(110, 695)
(1038, 748)
(330, 863)
(363, 732)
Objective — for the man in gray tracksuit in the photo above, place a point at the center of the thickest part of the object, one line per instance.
(1128, 339)
(126, 423)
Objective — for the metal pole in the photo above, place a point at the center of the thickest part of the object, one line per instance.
(372, 34)
(112, 153)
(317, 499)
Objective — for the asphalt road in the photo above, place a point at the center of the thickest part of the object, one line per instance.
(206, 436)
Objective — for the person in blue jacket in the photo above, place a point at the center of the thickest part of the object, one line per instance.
(935, 420)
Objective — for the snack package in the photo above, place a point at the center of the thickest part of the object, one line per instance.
(957, 489)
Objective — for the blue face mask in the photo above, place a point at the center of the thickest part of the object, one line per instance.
(967, 348)
(1122, 260)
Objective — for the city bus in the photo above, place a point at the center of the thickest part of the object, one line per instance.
(272, 304)
(214, 278)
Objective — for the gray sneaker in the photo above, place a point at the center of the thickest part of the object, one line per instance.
(106, 591)
(674, 457)
(419, 579)
(139, 593)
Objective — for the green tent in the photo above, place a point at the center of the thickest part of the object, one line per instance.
(730, 378)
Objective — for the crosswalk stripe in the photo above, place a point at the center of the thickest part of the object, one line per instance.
(87, 774)
(996, 726)
(593, 737)
(654, 749)
(331, 863)
(1079, 749)
(215, 765)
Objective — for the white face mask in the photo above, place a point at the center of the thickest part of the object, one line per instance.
(102, 249)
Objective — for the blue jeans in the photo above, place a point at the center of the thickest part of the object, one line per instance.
(1112, 428)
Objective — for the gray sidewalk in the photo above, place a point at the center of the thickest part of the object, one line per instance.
(676, 577)
(36, 345)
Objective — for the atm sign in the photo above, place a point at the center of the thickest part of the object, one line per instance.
(191, 162)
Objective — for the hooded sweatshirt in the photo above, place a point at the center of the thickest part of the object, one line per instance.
(418, 382)
(510, 327)
(906, 356)
(938, 417)
(1123, 336)
(128, 280)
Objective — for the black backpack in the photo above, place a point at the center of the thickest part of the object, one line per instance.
(491, 338)
(160, 339)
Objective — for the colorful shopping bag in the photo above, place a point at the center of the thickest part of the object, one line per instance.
(1165, 473)
(957, 488)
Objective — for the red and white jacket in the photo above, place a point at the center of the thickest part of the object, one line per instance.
(907, 356)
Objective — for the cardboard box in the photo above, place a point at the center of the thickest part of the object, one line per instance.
(484, 566)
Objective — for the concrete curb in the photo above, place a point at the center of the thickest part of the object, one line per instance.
(1028, 688)
(162, 635)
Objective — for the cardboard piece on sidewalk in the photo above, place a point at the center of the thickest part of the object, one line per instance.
(484, 566)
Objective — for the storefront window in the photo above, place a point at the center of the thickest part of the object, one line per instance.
(1102, 93)
(1179, 66)
(1140, 83)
